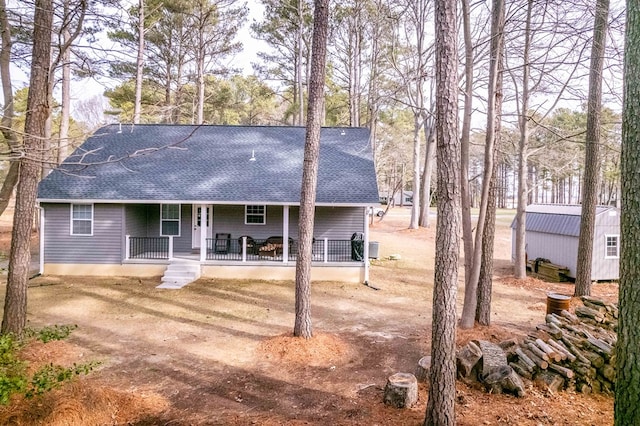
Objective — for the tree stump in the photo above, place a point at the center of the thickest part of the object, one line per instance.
(424, 369)
(401, 390)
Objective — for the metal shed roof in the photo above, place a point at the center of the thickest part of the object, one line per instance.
(556, 219)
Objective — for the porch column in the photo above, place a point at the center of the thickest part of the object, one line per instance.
(244, 248)
(127, 246)
(203, 232)
(366, 244)
(326, 250)
(285, 234)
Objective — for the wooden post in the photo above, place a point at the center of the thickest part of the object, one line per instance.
(127, 247)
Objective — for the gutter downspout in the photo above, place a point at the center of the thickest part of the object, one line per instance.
(41, 237)
(366, 245)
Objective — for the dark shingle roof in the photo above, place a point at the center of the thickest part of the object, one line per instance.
(212, 163)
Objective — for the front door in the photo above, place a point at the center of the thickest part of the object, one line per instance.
(197, 225)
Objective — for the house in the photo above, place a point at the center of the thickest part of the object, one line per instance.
(137, 199)
(400, 198)
(552, 232)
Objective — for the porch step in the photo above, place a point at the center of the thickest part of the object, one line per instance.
(180, 273)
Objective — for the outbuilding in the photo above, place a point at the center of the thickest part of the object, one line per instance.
(553, 231)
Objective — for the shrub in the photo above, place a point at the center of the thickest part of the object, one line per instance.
(14, 378)
(49, 333)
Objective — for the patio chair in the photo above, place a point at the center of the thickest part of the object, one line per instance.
(222, 243)
(252, 247)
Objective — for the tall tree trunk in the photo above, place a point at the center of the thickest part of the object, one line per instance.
(467, 231)
(355, 67)
(7, 112)
(137, 106)
(470, 292)
(299, 83)
(372, 97)
(592, 152)
(177, 102)
(200, 68)
(425, 199)
(485, 281)
(168, 110)
(626, 407)
(415, 205)
(38, 109)
(442, 380)
(520, 266)
(65, 113)
(418, 79)
(302, 327)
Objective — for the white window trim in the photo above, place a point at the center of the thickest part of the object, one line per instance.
(179, 220)
(264, 222)
(606, 237)
(71, 219)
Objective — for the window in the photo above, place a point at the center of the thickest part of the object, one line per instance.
(170, 220)
(612, 246)
(255, 215)
(82, 219)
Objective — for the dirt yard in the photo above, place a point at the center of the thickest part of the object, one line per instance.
(220, 352)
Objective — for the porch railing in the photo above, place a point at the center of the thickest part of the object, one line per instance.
(249, 249)
(149, 247)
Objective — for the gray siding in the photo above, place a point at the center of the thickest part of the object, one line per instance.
(331, 222)
(602, 268)
(337, 223)
(559, 249)
(183, 243)
(105, 246)
(143, 220)
(113, 221)
(136, 220)
(230, 220)
(563, 249)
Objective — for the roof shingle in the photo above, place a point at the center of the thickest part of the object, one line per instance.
(191, 163)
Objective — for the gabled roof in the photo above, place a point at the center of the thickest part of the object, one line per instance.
(217, 164)
(556, 218)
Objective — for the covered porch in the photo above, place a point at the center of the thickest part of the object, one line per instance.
(240, 234)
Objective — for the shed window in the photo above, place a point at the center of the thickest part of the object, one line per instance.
(82, 219)
(255, 215)
(612, 246)
(170, 220)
